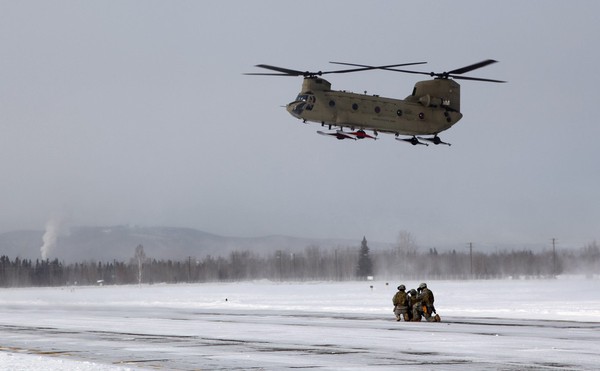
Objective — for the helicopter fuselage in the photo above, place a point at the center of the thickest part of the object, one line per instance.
(434, 106)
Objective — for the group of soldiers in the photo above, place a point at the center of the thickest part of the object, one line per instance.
(415, 304)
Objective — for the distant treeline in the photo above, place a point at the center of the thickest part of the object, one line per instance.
(313, 263)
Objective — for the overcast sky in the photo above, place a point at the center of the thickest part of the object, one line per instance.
(138, 112)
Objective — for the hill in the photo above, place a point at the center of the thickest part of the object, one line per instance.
(119, 243)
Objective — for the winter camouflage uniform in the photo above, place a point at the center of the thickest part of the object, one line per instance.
(427, 303)
(400, 301)
(415, 305)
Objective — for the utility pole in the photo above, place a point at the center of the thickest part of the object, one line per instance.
(471, 256)
(554, 257)
(337, 275)
(279, 258)
(189, 269)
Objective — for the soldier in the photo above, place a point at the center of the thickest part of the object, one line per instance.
(427, 303)
(400, 301)
(415, 305)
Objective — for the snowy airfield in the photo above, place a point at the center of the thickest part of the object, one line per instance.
(486, 325)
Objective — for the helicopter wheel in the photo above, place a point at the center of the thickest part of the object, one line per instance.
(435, 140)
(414, 141)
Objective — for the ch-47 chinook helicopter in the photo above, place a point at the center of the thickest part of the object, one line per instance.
(433, 106)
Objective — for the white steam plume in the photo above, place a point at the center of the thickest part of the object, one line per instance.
(50, 236)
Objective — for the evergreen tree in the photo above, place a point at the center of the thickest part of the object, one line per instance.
(365, 265)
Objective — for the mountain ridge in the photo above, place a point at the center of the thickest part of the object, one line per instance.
(87, 243)
(118, 242)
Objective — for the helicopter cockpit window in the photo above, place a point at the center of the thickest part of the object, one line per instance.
(309, 99)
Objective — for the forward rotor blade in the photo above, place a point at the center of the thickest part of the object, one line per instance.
(283, 71)
(389, 67)
(378, 67)
(364, 67)
(460, 71)
(289, 72)
(407, 71)
(269, 74)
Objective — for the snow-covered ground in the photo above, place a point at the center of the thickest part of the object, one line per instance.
(505, 324)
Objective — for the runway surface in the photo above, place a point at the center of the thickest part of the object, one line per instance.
(186, 339)
(486, 325)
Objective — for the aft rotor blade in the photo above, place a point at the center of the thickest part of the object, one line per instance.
(475, 79)
(453, 74)
(378, 67)
(364, 67)
(460, 71)
(290, 72)
(389, 67)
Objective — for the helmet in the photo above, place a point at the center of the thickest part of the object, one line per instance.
(413, 292)
(422, 286)
(401, 288)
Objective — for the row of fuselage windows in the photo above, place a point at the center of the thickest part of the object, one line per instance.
(311, 99)
(377, 109)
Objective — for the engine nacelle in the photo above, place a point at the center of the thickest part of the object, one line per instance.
(429, 101)
(438, 92)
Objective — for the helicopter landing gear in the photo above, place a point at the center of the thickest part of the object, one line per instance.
(435, 140)
(414, 141)
(339, 134)
(361, 134)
